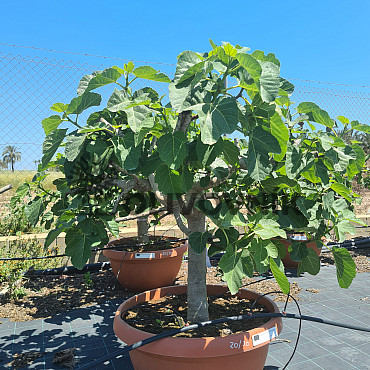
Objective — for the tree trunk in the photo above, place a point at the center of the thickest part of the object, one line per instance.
(142, 230)
(197, 270)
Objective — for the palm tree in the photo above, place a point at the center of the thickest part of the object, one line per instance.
(11, 155)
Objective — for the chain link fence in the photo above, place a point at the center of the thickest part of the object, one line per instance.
(31, 84)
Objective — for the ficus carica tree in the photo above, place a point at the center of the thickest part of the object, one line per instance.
(272, 164)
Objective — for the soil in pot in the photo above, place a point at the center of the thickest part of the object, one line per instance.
(170, 312)
(140, 267)
(156, 243)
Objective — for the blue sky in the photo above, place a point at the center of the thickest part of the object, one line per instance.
(323, 40)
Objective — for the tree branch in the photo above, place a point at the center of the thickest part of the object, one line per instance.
(157, 193)
(240, 94)
(5, 188)
(180, 223)
(183, 121)
(144, 214)
(109, 125)
(214, 181)
(141, 184)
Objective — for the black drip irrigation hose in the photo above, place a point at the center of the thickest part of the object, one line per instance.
(116, 247)
(173, 332)
(69, 270)
(362, 243)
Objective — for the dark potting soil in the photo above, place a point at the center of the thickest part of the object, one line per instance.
(156, 243)
(170, 312)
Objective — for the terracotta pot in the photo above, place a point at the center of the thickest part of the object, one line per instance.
(246, 350)
(287, 261)
(144, 271)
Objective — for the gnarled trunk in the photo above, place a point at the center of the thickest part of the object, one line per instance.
(197, 269)
(142, 230)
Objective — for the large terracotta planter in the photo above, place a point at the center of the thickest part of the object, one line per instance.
(287, 261)
(144, 271)
(243, 351)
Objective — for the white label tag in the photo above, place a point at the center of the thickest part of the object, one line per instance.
(265, 336)
(298, 237)
(144, 255)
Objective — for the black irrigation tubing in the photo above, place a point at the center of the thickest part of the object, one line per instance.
(92, 250)
(70, 270)
(363, 243)
(173, 332)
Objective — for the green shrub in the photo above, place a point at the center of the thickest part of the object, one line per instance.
(13, 270)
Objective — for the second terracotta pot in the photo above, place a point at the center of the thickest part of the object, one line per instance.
(243, 351)
(148, 270)
(287, 261)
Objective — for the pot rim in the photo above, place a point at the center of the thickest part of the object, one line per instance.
(158, 254)
(194, 347)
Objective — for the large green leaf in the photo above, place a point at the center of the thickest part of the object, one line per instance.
(150, 73)
(251, 65)
(182, 98)
(172, 149)
(321, 171)
(286, 88)
(74, 145)
(198, 241)
(291, 219)
(217, 118)
(342, 190)
(127, 153)
(235, 266)
(260, 255)
(207, 154)
(281, 133)
(108, 76)
(52, 235)
(169, 181)
(51, 145)
(137, 112)
(221, 215)
(261, 142)
(356, 165)
(231, 152)
(360, 127)
(59, 107)
(269, 82)
(260, 55)
(78, 246)
(268, 228)
(120, 100)
(84, 101)
(272, 184)
(310, 263)
(188, 65)
(297, 161)
(146, 93)
(84, 82)
(111, 225)
(342, 228)
(298, 251)
(315, 113)
(51, 123)
(280, 277)
(187, 178)
(33, 210)
(346, 267)
(149, 165)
